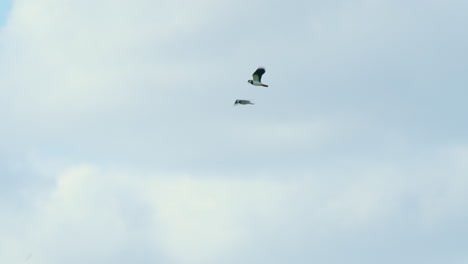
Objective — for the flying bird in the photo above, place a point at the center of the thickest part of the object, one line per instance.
(257, 78)
(243, 102)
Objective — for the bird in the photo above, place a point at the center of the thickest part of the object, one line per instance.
(257, 78)
(242, 102)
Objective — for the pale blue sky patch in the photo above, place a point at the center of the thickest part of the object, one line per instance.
(5, 8)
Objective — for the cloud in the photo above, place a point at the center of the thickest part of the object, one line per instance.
(101, 214)
(93, 214)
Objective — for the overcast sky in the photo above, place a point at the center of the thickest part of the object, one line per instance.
(119, 142)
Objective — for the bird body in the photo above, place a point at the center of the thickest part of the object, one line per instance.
(257, 78)
(243, 102)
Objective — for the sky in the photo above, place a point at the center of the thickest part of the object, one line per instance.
(119, 141)
(5, 6)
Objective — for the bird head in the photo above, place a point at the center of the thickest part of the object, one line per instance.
(250, 81)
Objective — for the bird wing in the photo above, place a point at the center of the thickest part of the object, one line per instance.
(257, 75)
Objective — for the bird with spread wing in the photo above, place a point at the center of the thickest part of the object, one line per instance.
(257, 78)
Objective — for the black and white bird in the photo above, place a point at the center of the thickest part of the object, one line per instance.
(257, 78)
(243, 102)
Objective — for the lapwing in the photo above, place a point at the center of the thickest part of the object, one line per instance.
(243, 102)
(257, 78)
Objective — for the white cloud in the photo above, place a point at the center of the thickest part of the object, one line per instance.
(95, 214)
(88, 216)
